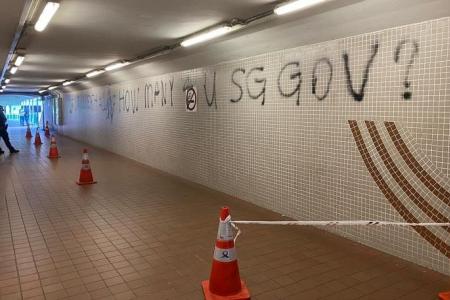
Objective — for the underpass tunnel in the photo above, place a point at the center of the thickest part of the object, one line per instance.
(225, 149)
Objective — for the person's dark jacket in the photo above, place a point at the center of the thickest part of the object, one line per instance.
(3, 125)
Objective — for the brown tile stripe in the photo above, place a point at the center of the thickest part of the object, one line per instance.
(391, 197)
(414, 165)
(426, 207)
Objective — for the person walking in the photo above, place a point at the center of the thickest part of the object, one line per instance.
(4, 132)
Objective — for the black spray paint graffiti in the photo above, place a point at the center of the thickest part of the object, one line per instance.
(295, 75)
(83, 101)
(233, 80)
(148, 95)
(128, 100)
(213, 97)
(158, 89)
(171, 84)
(359, 96)
(164, 92)
(72, 106)
(109, 105)
(254, 83)
(90, 98)
(262, 92)
(407, 84)
(156, 94)
(257, 80)
(315, 79)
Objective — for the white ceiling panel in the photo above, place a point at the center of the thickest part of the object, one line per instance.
(86, 34)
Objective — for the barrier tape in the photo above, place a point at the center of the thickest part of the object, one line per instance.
(340, 223)
(238, 231)
(330, 223)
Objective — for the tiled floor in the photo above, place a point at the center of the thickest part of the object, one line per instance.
(142, 234)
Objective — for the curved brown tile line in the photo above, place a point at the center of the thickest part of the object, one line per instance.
(429, 236)
(418, 200)
(438, 190)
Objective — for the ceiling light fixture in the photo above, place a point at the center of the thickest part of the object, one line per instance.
(46, 15)
(94, 73)
(116, 65)
(52, 88)
(69, 82)
(13, 70)
(1, 91)
(3, 87)
(292, 6)
(42, 91)
(208, 35)
(19, 60)
(7, 80)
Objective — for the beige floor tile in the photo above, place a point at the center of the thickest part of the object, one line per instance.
(142, 234)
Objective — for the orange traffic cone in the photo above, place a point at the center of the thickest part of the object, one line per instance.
(47, 130)
(444, 296)
(53, 153)
(85, 172)
(28, 135)
(37, 138)
(224, 281)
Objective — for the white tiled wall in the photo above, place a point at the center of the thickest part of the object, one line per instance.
(299, 160)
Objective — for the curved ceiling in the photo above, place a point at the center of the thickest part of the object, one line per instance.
(86, 34)
(9, 22)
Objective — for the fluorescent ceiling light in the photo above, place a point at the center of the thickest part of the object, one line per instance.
(19, 60)
(295, 5)
(46, 15)
(52, 87)
(7, 80)
(3, 86)
(116, 66)
(42, 91)
(66, 83)
(211, 34)
(1, 91)
(94, 73)
(13, 70)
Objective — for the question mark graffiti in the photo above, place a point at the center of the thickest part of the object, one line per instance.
(407, 94)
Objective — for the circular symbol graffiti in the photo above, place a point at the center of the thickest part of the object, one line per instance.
(191, 99)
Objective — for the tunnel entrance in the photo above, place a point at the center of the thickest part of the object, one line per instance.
(23, 110)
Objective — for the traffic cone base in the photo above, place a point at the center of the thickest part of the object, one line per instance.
(444, 296)
(243, 294)
(53, 153)
(86, 183)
